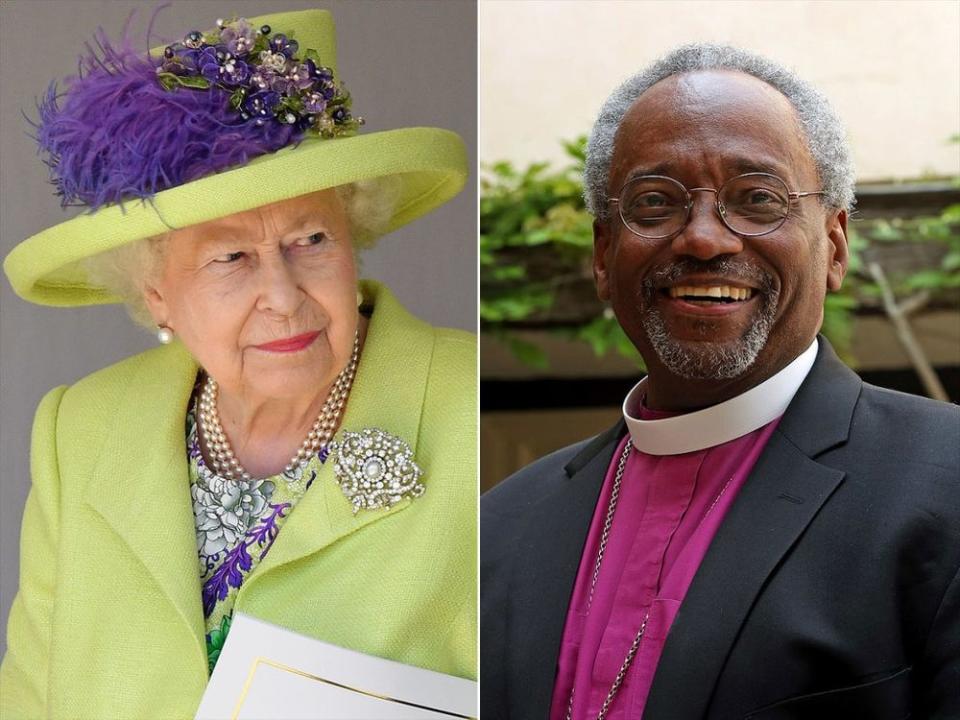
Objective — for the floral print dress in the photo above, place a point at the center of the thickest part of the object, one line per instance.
(237, 523)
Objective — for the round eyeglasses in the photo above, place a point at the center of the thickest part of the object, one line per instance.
(658, 207)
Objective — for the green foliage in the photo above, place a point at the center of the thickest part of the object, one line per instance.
(537, 208)
(940, 234)
(237, 97)
(604, 334)
(289, 103)
(171, 81)
(506, 307)
(536, 244)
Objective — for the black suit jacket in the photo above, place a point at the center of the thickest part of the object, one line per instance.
(831, 589)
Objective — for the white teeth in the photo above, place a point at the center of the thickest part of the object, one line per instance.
(713, 291)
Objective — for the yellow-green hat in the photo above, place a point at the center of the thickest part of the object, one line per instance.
(430, 163)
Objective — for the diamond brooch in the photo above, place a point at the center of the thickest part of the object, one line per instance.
(375, 469)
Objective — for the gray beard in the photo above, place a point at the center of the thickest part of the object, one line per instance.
(703, 359)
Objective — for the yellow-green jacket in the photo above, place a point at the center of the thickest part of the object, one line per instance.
(108, 621)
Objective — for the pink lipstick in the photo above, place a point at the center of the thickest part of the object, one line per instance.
(290, 344)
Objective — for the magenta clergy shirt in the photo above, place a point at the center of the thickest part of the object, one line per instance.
(669, 510)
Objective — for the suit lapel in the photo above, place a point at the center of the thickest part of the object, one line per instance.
(784, 492)
(387, 394)
(141, 476)
(546, 570)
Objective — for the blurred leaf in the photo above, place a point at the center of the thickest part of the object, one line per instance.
(604, 334)
(951, 214)
(513, 307)
(927, 279)
(883, 230)
(504, 169)
(951, 261)
(509, 272)
(527, 353)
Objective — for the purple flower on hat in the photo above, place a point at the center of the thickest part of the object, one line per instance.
(260, 79)
(328, 90)
(300, 75)
(314, 103)
(280, 43)
(235, 72)
(283, 85)
(341, 115)
(321, 73)
(239, 37)
(209, 64)
(261, 104)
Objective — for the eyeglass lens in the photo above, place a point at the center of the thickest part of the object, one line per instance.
(658, 207)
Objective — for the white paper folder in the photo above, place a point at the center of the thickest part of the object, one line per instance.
(266, 672)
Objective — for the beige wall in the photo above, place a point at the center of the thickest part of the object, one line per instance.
(892, 69)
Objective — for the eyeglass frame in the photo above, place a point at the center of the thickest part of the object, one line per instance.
(792, 195)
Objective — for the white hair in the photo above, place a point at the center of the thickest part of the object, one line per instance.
(821, 127)
(369, 205)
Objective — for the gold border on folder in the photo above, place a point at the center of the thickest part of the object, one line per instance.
(257, 662)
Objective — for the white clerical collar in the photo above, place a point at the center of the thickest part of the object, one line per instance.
(720, 423)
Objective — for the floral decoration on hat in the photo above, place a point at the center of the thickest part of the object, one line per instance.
(266, 79)
(130, 125)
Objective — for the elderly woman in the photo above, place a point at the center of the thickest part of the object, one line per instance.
(298, 434)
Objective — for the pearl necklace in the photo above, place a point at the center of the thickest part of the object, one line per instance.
(225, 462)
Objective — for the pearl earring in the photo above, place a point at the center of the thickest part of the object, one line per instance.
(359, 298)
(164, 335)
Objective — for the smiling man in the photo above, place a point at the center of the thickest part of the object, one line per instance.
(763, 535)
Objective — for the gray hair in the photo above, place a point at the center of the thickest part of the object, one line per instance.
(821, 127)
(369, 205)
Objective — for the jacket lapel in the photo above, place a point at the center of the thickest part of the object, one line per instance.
(388, 394)
(547, 564)
(141, 475)
(783, 494)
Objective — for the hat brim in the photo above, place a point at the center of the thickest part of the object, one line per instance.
(430, 163)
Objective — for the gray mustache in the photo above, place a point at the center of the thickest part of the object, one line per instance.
(727, 267)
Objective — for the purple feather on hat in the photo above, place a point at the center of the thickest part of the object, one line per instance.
(116, 133)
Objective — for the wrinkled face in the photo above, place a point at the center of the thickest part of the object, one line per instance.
(265, 300)
(702, 129)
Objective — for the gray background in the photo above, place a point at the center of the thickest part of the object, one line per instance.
(407, 63)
